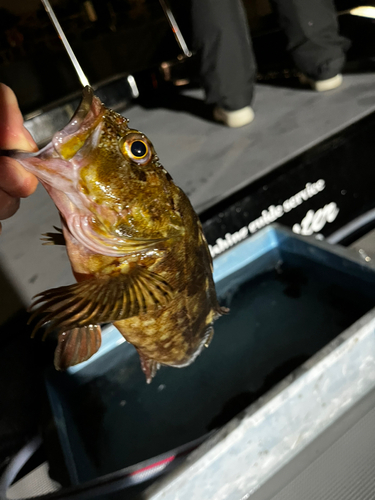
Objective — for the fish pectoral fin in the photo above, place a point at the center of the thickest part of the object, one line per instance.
(53, 238)
(104, 299)
(77, 345)
(149, 367)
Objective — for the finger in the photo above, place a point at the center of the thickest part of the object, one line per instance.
(15, 180)
(13, 135)
(8, 205)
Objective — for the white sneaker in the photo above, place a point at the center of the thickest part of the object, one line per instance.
(322, 85)
(234, 119)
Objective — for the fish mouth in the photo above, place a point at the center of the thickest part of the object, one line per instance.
(85, 115)
(57, 164)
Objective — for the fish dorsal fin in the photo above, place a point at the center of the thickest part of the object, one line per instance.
(51, 238)
(77, 345)
(99, 300)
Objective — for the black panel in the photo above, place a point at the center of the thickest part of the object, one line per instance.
(319, 191)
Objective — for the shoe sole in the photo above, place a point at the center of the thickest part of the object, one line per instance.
(234, 119)
(322, 85)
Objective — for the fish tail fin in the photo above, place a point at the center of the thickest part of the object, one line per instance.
(77, 345)
(149, 367)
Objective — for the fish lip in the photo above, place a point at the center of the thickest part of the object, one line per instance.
(82, 111)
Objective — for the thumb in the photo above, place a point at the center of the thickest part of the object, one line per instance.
(13, 134)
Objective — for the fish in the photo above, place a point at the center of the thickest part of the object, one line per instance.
(135, 244)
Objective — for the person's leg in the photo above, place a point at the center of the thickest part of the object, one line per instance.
(314, 43)
(221, 37)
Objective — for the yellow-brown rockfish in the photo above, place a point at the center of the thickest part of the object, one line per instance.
(135, 244)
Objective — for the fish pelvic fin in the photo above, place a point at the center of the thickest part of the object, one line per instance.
(149, 367)
(54, 238)
(77, 345)
(222, 311)
(103, 299)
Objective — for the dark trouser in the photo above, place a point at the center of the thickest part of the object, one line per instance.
(221, 36)
(313, 40)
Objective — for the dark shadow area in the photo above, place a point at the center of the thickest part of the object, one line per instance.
(34, 62)
(22, 363)
(168, 97)
(10, 301)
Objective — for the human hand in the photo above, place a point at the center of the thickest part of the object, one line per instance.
(15, 181)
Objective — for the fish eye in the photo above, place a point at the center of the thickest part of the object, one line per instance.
(136, 147)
